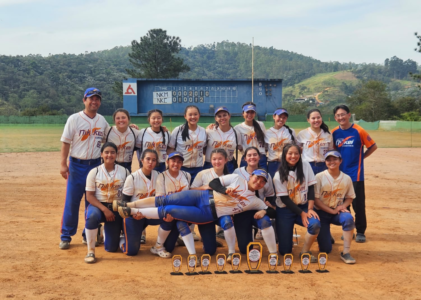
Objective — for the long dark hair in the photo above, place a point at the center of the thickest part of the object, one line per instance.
(123, 111)
(108, 144)
(259, 132)
(247, 150)
(160, 127)
(185, 132)
(284, 168)
(323, 126)
(225, 154)
(146, 151)
(287, 127)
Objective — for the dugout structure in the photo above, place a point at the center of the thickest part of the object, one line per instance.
(172, 95)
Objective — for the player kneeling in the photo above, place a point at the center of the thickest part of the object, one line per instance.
(334, 192)
(104, 184)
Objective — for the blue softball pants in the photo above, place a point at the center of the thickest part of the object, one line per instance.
(243, 224)
(318, 167)
(343, 219)
(76, 184)
(285, 220)
(94, 216)
(273, 167)
(263, 162)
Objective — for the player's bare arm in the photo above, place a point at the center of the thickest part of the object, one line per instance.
(343, 207)
(311, 213)
(320, 205)
(370, 151)
(109, 215)
(64, 168)
(260, 214)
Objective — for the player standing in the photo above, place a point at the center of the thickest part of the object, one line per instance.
(350, 139)
(84, 131)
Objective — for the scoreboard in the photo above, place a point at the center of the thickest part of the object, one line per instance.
(173, 95)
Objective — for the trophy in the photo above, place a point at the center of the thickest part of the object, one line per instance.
(191, 265)
(205, 263)
(236, 261)
(305, 263)
(273, 263)
(288, 259)
(220, 264)
(322, 261)
(254, 256)
(176, 265)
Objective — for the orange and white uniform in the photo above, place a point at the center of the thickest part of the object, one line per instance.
(166, 184)
(333, 192)
(249, 138)
(139, 186)
(276, 140)
(217, 139)
(314, 145)
(125, 142)
(149, 139)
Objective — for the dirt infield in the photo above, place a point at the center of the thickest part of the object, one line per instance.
(32, 194)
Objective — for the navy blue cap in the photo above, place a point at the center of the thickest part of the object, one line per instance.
(261, 173)
(174, 154)
(92, 92)
(280, 112)
(333, 153)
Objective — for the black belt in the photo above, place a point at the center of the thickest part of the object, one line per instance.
(212, 207)
(85, 161)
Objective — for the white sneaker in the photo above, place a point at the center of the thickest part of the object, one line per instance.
(160, 251)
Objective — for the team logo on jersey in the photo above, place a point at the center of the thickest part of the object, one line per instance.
(113, 185)
(313, 143)
(145, 195)
(346, 142)
(250, 137)
(190, 148)
(155, 145)
(222, 144)
(278, 145)
(87, 133)
(177, 190)
(293, 192)
(121, 147)
(334, 193)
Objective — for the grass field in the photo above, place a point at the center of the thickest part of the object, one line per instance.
(46, 138)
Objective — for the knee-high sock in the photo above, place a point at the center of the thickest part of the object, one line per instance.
(162, 236)
(147, 202)
(270, 239)
(230, 239)
(189, 242)
(91, 238)
(347, 240)
(308, 241)
(149, 213)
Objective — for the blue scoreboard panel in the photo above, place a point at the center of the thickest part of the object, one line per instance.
(173, 95)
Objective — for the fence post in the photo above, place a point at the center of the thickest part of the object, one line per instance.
(411, 134)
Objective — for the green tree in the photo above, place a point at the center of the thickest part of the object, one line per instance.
(411, 116)
(417, 76)
(371, 102)
(155, 56)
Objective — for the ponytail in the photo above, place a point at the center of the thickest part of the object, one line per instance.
(259, 132)
(163, 134)
(290, 133)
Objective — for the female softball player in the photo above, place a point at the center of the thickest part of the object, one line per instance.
(139, 185)
(155, 137)
(252, 133)
(294, 185)
(244, 222)
(277, 137)
(219, 160)
(333, 193)
(124, 137)
(222, 135)
(315, 141)
(190, 140)
(103, 185)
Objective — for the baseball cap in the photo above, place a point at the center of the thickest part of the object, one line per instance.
(261, 173)
(174, 154)
(333, 153)
(222, 108)
(280, 112)
(93, 91)
(249, 108)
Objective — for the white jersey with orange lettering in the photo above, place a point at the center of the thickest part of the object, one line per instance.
(333, 192)
(84, 135)
(295, 190)
(139, 186)
(217, 139)
(226, 205)
(204, 177)
(314, 145)
(108, 186)
(249, 138)
(149, 139)
(125, 142)
(192, 148)
(166, 184)
(276, 140)
(266, 191)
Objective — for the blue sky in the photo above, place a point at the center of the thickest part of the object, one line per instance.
(329, 30)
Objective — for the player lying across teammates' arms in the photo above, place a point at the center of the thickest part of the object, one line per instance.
(231, 195)
(294, 185)
(277, 137)
(333, 194)
(245, 221)
(103, 185)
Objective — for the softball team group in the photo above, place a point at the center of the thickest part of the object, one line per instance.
(190, 176)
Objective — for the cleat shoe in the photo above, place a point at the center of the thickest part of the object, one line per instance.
(143, 239)
(229, 258)
(313, 259)
(64, 245)
(90, 258)
(160, 251)
(360, 238)
(124, 212)
(118, 203)
(347, 258)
